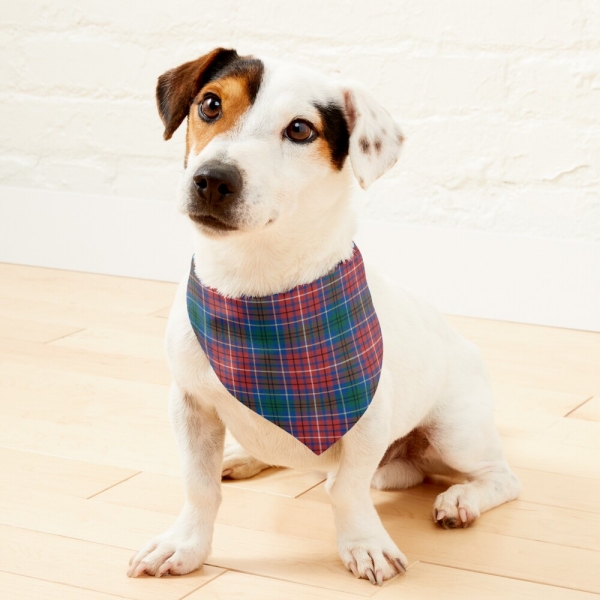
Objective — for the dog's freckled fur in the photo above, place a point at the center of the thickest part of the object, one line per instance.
(432, 412)
(365, 145)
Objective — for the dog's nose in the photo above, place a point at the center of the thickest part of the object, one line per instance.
(216, 181)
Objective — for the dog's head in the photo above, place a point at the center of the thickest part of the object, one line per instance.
(265, 136)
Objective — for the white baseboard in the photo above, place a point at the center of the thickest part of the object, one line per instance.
(531, 280)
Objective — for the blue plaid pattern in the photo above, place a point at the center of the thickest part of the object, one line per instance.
(308, 360)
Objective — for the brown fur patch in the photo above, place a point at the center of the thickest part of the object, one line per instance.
(177, 88)
(377, 145)
(411, 447)
(334, 137)
(365, 145)
(236, 98)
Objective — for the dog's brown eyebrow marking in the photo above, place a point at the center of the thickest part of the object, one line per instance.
(335, 133)
(365, 145)
(377, 145)
(247, 68)
(237, 85)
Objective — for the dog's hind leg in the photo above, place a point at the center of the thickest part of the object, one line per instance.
(238, 464)
(468, 442)
(400, 466)
(398, 474)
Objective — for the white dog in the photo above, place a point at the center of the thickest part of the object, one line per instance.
(266, 187)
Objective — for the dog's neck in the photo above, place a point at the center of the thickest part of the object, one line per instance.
(279, 257)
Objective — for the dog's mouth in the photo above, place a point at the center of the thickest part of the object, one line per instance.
(211, 222)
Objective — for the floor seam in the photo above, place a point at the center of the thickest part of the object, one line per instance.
(62, 337)
(578, 406)
(544, 583)
(77, 587)
(113, 485)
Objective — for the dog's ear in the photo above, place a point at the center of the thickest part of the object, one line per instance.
(177, 88)
(375, 138)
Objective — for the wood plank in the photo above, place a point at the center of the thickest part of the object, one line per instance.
(105, 420)
(251, 587)
(480, 548)
(111, 340)
(535, 356)
(520, 519)
(529, 520)
(590, 411)
(95, 418)
(282, 482)
(121, 444)
(555, 489)
(65, 396)
(521, 411)
(497, 335)
(87, 565)
(279, 555)
(425, 581)
(552, 457)
(573, 432)
(163, 493)
(18, 587)
(48, 473)
(33, 331)
(313, 518)
(72, 288)
(77, 316)
(82, 361)
(476, 550)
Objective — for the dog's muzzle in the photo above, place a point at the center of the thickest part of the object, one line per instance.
(216, 187)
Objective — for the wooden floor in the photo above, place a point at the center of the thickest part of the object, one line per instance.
(89, 470)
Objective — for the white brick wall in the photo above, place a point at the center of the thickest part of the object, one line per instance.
(500, 99)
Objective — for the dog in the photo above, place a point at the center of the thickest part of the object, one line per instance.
(271, 150)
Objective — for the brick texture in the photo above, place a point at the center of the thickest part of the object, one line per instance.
(500, 100)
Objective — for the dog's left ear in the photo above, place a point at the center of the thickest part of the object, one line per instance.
(375, 138)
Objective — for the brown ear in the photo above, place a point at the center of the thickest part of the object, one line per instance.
(177, 88)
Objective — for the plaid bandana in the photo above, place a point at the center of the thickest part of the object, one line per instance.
(308, 360)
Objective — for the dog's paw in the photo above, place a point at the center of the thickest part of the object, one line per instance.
(456, 507)
(372, 559)
(238, 464)
(170, 554)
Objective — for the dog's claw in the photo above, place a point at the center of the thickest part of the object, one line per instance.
(379, 577)
(354, 569)
(439, 515)
(399, 566)
(371, 576)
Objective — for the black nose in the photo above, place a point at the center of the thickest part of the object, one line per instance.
(217, 183)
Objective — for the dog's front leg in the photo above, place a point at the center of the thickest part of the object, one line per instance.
(365, 546)
(184, 547)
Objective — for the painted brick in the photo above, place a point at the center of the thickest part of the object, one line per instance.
(499, 99)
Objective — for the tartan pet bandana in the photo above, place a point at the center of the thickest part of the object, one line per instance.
(308, 360)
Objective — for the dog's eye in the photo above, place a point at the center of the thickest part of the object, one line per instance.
(299, 130)
(210, 108)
